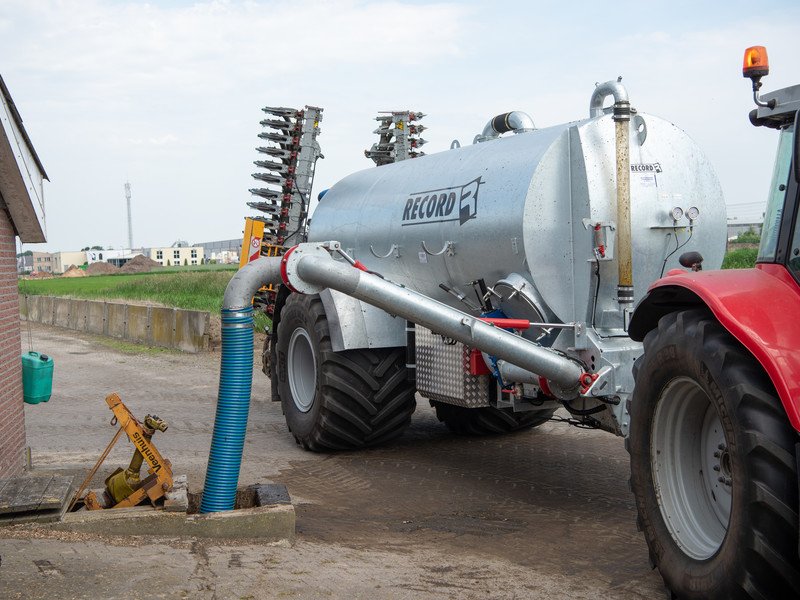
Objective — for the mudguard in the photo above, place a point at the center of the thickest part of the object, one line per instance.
(355, 324)
(760, 307)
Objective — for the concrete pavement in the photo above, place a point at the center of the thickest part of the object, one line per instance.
(538, 514)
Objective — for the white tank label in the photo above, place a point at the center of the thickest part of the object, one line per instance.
(646, 168)
(646, 173)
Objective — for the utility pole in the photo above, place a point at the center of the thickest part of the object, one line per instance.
(130, 225)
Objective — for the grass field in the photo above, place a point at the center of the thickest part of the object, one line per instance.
(193, 268)
(196, 290)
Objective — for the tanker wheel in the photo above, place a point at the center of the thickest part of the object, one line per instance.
(337, 400)
(488, 420)
(713, 465)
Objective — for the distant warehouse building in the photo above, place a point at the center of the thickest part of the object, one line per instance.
(21, 190)
(93, 256)
(71, 259)
(180, 253)
(118, 258)
(736, 229)
(222, 251)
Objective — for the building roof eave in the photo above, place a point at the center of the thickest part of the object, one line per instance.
(14, 191)
(18, 120)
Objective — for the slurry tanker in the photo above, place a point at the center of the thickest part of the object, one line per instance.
(568, 267)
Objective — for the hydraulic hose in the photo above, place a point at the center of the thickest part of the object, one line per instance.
(235, 383)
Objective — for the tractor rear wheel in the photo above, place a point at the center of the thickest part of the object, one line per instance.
(713, 465)
(336, 400)
(488, 420)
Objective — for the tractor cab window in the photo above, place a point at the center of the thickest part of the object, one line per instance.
(794, 249)
(777, 196)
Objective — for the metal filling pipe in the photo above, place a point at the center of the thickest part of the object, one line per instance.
(440, 318)
(622, 115)
(515, 120)
(235, 383)
(603, 91)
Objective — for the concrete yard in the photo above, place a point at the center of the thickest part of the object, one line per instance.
(539, 514)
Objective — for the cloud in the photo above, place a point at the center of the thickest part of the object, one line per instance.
(181, 46)
(168, 94)
(162, 140)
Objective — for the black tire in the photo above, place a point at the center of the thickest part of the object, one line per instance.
(488, 420)
(358, 398)
(756, 555)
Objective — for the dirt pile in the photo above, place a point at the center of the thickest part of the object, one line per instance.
(74, 271)
(101, 268)
(139, 264)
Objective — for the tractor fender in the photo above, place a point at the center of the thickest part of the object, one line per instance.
(759, 307)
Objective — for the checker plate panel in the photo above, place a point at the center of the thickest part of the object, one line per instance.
(443, 373)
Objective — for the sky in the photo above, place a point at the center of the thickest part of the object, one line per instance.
(167, 95)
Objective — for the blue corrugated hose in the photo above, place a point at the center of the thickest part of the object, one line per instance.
(233, 404)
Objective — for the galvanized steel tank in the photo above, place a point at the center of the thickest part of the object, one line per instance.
(527, 204)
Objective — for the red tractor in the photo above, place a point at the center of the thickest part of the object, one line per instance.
(715, 413)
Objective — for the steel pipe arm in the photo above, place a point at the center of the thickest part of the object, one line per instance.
(397, 300)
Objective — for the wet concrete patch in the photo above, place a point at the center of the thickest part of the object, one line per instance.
(480, 524)
(565, 488)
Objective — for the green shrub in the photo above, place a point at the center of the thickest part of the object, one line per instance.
(748, 237)
(741, 258)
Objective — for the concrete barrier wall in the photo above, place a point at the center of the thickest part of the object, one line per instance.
(186, 330)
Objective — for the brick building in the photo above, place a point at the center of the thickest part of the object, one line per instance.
(21, 175)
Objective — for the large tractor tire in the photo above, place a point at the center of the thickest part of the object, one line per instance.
(488, 420)
(713, 465)
(336, 400)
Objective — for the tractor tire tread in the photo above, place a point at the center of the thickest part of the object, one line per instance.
(488, 420)
(767, 564)
(364, 397)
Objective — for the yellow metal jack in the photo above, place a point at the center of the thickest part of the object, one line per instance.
(125, 488)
